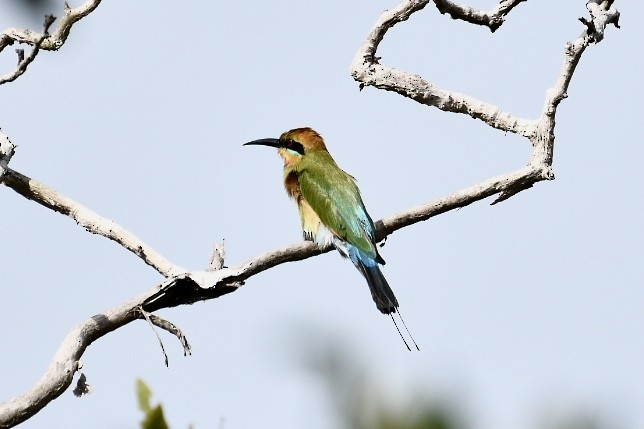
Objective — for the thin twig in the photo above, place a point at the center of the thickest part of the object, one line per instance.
(23, 62)
(44, 40)
(217, 257)
(174, 330)
(146, 315)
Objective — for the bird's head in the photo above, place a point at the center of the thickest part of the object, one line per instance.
(293, 145)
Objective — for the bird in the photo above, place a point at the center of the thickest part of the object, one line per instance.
(331, 209)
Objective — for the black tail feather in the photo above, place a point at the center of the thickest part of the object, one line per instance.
(381, 293)
(384, 297)
(400, 333)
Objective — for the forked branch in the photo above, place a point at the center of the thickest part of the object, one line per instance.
(368, 71)
(23, 62)
(58, 38)
(44, 40)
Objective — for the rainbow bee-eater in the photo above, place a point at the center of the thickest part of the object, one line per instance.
(331, 208)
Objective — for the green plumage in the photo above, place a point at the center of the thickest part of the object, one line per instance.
(335, 198)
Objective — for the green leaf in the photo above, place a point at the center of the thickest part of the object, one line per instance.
(143, 394)
(153, 416)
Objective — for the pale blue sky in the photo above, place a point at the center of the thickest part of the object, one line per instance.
(525, 312)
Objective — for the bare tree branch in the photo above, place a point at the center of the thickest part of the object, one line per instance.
(56, 40)
(602, 13)
(65, 363)
(91, 221)
(492, 19)
(43, 40)
(23, 62)
(173, 329)
(168, 326)
(188, 288)
(367, 70)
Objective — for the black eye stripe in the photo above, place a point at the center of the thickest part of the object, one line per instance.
(294, 146)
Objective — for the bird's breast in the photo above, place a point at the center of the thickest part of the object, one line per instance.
(313, 228)
(292, 185)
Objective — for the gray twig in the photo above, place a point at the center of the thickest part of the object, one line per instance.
(23, 62)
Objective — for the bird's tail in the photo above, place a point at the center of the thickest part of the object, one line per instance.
(381, 293)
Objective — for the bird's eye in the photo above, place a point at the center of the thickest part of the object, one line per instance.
(294, 146)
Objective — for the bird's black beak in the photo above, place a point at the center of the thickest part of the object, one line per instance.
(265, 142)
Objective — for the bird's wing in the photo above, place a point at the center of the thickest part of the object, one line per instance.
(335, 198)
